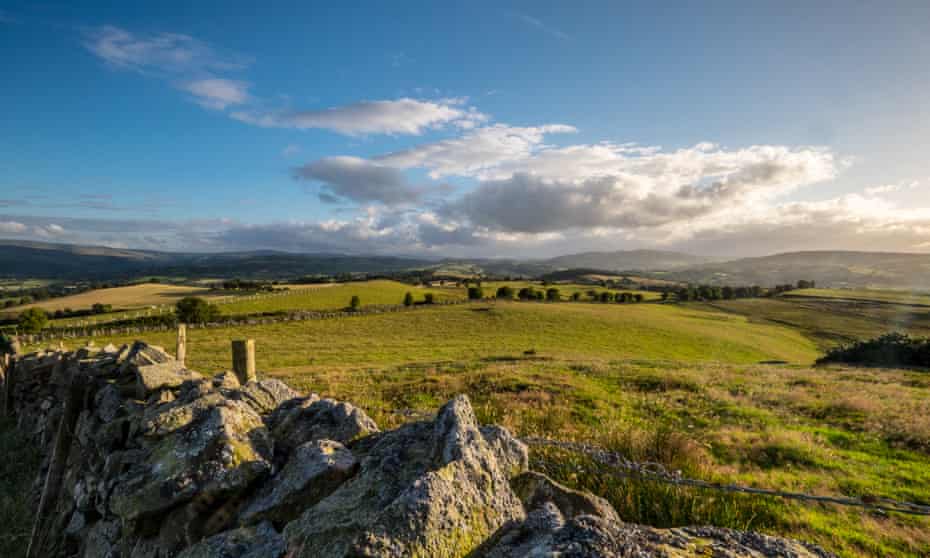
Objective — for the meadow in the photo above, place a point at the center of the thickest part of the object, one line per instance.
(868, 295)
(122, 298)
(723, 392)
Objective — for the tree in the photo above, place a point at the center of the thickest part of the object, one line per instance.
(475, 293)
(355, 303)
(195, 310)
(553, 295)
(527, 293)
(408, 299)
(505, 292)
(664, 295)
(33, 320)
(607, 296)
(576, 296)
(99, 308)
(638, 297)
(429, 298)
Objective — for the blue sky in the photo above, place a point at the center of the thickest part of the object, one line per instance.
(468, 128)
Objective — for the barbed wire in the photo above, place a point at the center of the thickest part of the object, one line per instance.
(658, 472)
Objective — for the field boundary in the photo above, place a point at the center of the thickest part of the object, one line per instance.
(657, 472)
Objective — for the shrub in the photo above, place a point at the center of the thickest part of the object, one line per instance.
(527, 293)
(195, 310)
(33, 320)
(429, 298)
(576, 296)
(355, 303)
(475, 293)
(891, 349)
(505, 292)
(408, 299)
(606, 296)
(553, 295)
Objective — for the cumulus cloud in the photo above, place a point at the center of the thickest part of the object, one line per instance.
(358, 180)
(218, 93)
(401, 116)
(476, 152)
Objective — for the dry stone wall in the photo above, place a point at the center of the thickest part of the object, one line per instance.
(144, 458)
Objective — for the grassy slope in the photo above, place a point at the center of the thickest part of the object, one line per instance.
(336, 296)
(566, 330)
(874, 295)
(830, 322)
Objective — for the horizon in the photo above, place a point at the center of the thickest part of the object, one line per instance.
(519, 130)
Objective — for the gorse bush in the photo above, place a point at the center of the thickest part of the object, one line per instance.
(891, 349)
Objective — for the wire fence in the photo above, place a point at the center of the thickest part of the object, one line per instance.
(658, 472)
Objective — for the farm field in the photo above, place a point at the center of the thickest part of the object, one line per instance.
(565, 289)
(121, 298)
(335, 296)
(866, 295)
(830, 322)
(676, 384)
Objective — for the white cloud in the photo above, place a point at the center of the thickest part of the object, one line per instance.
(12, 227)
(538, 24)
(401, 116)
(158, 52)
(477, 152)
(217, 93)
(290, 150)
(358, 180)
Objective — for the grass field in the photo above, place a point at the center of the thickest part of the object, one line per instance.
(336, 296)
(565, 289)
(830, 321)
(121, 298)
(865, 295)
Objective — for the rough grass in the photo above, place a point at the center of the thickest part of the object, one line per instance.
(17, 472)
(830, 322)
(873, 295)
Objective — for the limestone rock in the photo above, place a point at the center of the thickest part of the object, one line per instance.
(313, 471)
(221, 452)
(153, 377)
(265, 395)
(425, 489)
(305, 420)
(260, 541)
(536, 489)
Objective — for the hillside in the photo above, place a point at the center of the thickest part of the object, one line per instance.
(66, 261)
(626, 260)
(834, 269)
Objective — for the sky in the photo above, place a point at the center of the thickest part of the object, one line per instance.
(467, 129)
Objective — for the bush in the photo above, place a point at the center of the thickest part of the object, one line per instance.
(33, 320)
(355, 303)
(195, 310)
(408, 299)
(505, 292)
(576, 296)
(891, 349)
(429, 298)
(527, 293)
(475, 293)
(553, 295)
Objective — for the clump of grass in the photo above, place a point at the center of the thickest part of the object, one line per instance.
(17, 472)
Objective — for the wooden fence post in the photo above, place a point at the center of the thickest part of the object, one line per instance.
(58, 461)
(243, 359)
(181, 352)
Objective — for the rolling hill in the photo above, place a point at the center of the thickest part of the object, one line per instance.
(835, 269)
(627, 260)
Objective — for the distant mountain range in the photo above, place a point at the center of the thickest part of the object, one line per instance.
(19, 259)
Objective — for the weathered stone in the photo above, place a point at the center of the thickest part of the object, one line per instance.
(260, 541)
(107, 403)
(102, 540)
(264, 396)
(324, 419)
(313, 471)
(425, 489)
(152, 377)
(512, 454)
(536, 489)
(220, 453)
(142, 354)
(226, 380)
